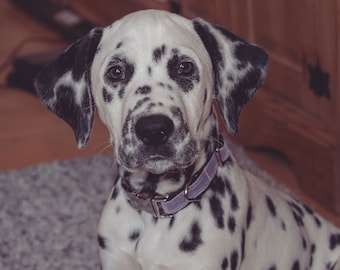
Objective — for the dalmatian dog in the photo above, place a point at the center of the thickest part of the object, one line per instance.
(180, 200)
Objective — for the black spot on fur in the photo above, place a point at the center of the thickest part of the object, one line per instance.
(144, 90)
(317, 221)
(231, 224)
(308, 209)
(271, 206)
(297, 208)
(312, 251)
(330, 266)
(234, 260)
(107, 96)
(158, 53)
(174, 176)
(304, 243)
(249, 215)
(273, 267)
(217, 211)
(114, 194)
(150, 184)
(312, 213)
(298, 219)
(150, 106)
(198, 204)
(205, 97)
(243, 242)
(218, 186)
(134, 235)
(283, 225)
(155, 220)
(234, 202)
(296, 265)
(176, 113)
(171, 222)
(193, 240)
(150, 71)
(334, 240)
(228, 187)
(101, 242)
(121, 92)
(224, 264)
(119, 45)
(116, 180)
(140, 103)
(233, 198)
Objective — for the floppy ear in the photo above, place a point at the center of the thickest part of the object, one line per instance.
(65, 85)
(239, 69)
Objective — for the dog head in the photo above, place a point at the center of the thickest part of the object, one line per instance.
(153, 76)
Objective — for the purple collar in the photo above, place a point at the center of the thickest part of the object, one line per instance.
(162, 206)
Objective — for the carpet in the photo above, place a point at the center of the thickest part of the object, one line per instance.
(49, 213)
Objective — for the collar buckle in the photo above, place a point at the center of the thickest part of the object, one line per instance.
(144, 201)
(156, 203)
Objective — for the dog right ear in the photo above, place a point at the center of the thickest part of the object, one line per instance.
(65, 85)
(239, 68)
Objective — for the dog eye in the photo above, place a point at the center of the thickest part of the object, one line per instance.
(116, 73)
(185, 68)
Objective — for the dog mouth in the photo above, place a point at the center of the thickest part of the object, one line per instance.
(155, 164)
(158, 165)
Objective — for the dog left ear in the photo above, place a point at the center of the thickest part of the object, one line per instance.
(65, 85)
(239, 69)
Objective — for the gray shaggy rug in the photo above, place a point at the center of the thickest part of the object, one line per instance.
(49, 213)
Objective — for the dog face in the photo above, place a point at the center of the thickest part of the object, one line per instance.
(152, 76)
(153, 90)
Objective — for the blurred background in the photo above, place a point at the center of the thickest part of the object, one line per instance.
(291, 128)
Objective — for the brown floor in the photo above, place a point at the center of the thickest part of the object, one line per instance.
(29, 134)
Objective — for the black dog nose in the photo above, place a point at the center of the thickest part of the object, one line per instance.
(154, 129)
